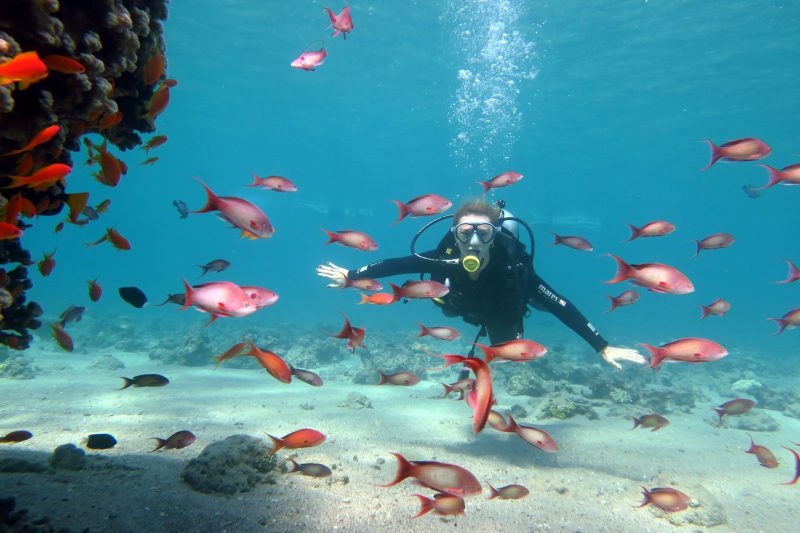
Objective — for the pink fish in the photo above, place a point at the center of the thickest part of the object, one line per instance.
(789, 320)
(363, 284)
(788, 176)
(514, 350)
(739, 406)
(220, 298)
(667, 499)
(657, 228)
(502, 180)
(656, 277)
(429, 204)
(352, 239)
(533, 436)
(354, 336)
(403, 378)
(260, 297)
(748, 149)
(443, 333)
(443, 477)
(275, 183)
(718, 307)
(794, 273)
(575, 242)
(689, 350)
(310, 60)
(419, 289)
(240, 213)
(626, 298)
(482, 401)
(342, 23)
(442, 504)
(714, 242)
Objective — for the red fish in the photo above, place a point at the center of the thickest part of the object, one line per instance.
(513, 350)
(62, 337)
(653, 421)
(657, 228)
(342, 23)
(748, 149)
(656, 277)
(403, 378)
(442, 477)
(441, 504)
(176, 441)
(16, 436)
(714, 242)
(381, 298)
(44, 176)
(573, 241)
(689, 350)
(47, 264)
(443, 333)
(788, 176)
(790, 320)
(419, 289)
(352, 239)
(154, 142)
(302, 438)
(738, 406)
(230, 353)
(533, 436)
(794, 273)
(153, 68)
(220, 298)
(26, 68)
(63, 64)
(240, 213)
(310, 60)
(275, 183)
(483, 387)
(626, 298)
(40, 138)
(9, 231)
(509, 492)
(272, 363)
(354, 336)
(95, 290)
(158, 103)
(718, 307)
(764, 455)
(115, 238)
(502, 180)
(667, 499)
(364, 284)
(421, 206)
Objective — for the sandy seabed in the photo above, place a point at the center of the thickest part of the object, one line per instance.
(591, 484)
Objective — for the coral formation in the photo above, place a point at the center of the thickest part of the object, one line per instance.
(16, 366)
(236, 464)
(112, 40)
(68, 457)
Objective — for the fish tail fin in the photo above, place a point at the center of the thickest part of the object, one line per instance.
(17, 182)
(397, 292)
(189, 293)
(382, 378)
(331, 15)
(488, 352)
(492, 492)
(646, 493)
(447, 389)
(425, 505)
(556, 239)
(796, 467)
(205, 270)
(128, 383)
(211, 201)
(160, 443)
(403, 208)
(781, 324)
(636, 422)
(614, 304)
(404, 469)
(486, 186)
(423, 331)
(697, 250)
(277, 444)
(624, 270)
(794, 272)
(706, 312)
(293, 466)
(364, 298)
(635, 232)
(716, 153)
(775, 177)
(256, 181)
(656, 355)
(332, 237)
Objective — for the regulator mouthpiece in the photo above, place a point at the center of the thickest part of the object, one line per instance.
(471, 263)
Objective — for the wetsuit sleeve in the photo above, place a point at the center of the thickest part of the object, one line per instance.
(398, 265)
(545, 298)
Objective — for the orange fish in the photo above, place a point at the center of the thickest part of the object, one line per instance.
(302, 438)
(47, 264)
(230, 353)
(58, 228)
(44, 176)
(381, 298)
(102, 207)
(148, 161)
(40, 138)
(667, 499)
(153, 68)
(26, 68)
(170, 83)
(272, 363)
(110, 121)
(9, 231)
(77, 203)
(764, 455)
(442, 504)
(24, 165)
(63, 64)
(117, 241)
(62, 337)
(158, 103)
(154, 142)
(13, 209)
(95, 290)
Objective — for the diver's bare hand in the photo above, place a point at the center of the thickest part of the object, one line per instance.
(336, 274)
(612, 354)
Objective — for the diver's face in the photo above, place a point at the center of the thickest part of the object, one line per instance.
(474, 235)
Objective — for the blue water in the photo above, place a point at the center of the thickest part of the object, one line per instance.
(601, 105)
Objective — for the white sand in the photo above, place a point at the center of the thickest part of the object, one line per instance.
(601, 463)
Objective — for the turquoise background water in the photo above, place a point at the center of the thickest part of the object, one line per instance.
(601, 105)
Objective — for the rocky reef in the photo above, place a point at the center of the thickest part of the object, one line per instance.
(109, 94)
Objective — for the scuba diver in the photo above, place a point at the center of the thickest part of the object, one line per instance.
(490, 276)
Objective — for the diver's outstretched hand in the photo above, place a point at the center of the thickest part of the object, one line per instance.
(336, 274)
(612, 354)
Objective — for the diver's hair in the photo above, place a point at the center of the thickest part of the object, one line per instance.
(478, 206)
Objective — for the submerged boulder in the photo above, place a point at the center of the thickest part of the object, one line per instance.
(236, 464)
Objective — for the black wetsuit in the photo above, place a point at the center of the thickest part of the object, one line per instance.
(499, 298)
